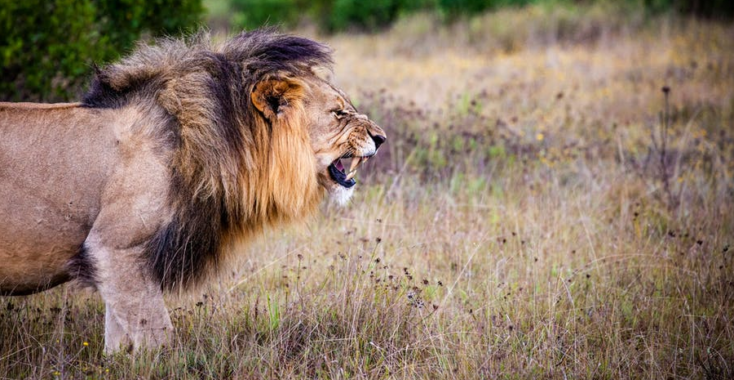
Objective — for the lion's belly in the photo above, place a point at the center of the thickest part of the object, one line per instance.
(30, 269)
(37, 241)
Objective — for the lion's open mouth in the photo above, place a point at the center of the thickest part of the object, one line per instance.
(341, 175)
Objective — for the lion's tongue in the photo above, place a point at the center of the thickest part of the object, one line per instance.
(338, 165)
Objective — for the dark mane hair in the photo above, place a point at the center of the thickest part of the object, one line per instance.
(205, 89)
(252, 54)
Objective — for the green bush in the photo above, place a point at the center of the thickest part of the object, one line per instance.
(340, 15)
(331, 15)
(252, 14)
(454, 8)
(47, 47)
(708, 8)
(369, 15)
(123, 21)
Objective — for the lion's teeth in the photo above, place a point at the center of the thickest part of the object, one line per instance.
(355, 162)
(353, 168)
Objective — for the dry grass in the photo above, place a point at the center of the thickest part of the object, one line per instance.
(516, 226)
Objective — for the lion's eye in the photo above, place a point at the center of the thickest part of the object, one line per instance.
(339, 113)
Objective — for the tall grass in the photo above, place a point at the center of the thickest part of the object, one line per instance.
(514, 226)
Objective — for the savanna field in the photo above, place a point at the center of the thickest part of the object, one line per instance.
(555, 200)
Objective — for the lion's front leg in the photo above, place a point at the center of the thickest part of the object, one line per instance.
(114, 336)
(134, 325)
(133, 207)
(135, 311)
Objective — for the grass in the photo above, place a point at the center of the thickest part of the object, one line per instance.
(516, 224)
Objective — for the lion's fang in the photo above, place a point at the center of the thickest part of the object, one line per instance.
(353, 168)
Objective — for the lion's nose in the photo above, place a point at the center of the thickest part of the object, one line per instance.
(378, 139)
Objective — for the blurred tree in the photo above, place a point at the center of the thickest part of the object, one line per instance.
(368, 15)
(47, 47)
(252, 14)
(717, 9)
(702, 8)
(122, 21)
(454, 8)
(331, 15)
(340, 15)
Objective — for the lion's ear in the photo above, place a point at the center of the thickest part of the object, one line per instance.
(273, 97)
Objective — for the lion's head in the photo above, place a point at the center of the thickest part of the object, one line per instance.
(341, 138)
(259, 137)
(261, 79)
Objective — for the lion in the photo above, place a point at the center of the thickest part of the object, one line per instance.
(179, 153)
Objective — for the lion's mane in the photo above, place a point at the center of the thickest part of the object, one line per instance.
(233, 171)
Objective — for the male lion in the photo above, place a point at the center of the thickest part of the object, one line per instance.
(176, 154)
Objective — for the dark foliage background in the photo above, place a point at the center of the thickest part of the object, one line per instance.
(340, 15)
(47, 47)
